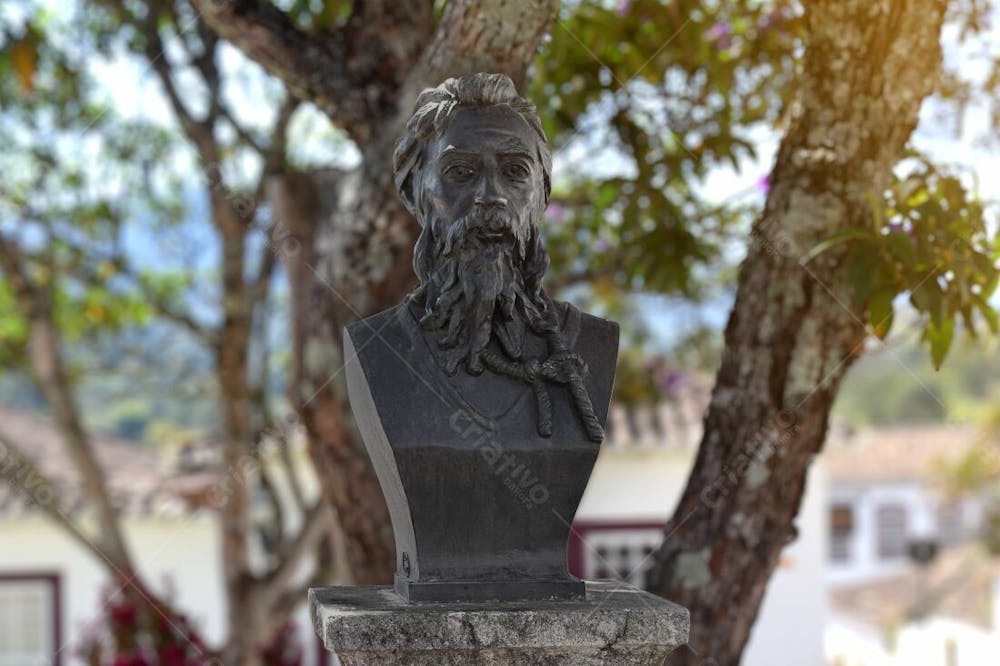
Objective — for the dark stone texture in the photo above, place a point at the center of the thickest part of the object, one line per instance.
(614, 625)
(476, 495)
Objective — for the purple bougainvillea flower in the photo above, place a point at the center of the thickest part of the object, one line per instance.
(767, 20)
(720, 34)
(671, 381)
(555, 213)
(622, 8)
(764, 184)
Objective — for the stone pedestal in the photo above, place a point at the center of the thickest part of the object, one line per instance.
(615, 625)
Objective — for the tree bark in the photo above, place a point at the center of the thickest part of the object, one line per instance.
(795, 327)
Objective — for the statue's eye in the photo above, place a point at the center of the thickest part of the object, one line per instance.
(460, 172)
(516, 171)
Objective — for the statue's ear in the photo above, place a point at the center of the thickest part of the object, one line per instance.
(406, 193)
(406, 164)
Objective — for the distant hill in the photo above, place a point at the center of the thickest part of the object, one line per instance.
(896, 384)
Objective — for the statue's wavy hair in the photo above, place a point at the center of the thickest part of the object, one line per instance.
(434, 109)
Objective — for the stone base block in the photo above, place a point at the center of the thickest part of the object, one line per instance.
(616, 625)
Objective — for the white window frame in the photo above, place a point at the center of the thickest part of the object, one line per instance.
(46, 619)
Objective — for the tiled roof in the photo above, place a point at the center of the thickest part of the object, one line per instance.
(676, 422)
(139, 478)
(896, 453)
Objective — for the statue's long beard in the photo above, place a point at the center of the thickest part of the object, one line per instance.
(480, 278)
(482, 281)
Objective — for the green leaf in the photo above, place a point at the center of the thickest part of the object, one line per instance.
(927, 298)
(880, 312)
(940, 338)
(903, 249)
(989, 314)
(835, 239)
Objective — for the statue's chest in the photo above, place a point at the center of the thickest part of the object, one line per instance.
(493, 396)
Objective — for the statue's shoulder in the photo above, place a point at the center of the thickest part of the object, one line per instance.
(591, 329)
(386, 328)
(596, 341)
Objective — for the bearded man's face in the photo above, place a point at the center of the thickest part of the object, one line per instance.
(484, 165)
(482, 195)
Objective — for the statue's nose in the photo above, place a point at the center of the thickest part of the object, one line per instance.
(488, 196)
(495, 201)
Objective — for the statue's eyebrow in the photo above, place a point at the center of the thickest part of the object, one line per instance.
(505, 148)
(513, 147)
(452, 150)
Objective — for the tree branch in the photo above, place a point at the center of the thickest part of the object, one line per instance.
(23, 476)
(316, 524)
(198, 131)
(294, 483)
(351, 72)
(480, 36)
(241, 131)
(48, 369)
(311, 67)
(82, 270)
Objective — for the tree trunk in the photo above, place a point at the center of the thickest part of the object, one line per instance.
(795, 327)
(234, 487)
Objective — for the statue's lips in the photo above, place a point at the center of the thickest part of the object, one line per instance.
(491, 227)
(492, 232)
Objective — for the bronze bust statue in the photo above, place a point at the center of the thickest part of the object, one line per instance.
(480, 399)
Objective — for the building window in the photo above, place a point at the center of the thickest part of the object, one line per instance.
(29, 620)
(841, 532)
(890, 521)
(621, 554)
(950, 525)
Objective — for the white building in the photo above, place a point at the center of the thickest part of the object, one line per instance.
(638, 478)
(51, 586)
(886, 610)
(883, 494)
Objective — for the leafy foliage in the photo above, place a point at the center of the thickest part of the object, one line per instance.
(930, 240)
(896, 383)
(663, 92)
(971, 471)
(651, 96)
(75, 175)
(138, 631)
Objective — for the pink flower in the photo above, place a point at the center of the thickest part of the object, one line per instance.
(556, 213)
(764, 184)
(719, 33)
(622, 8)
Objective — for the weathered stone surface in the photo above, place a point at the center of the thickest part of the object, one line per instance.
(615, 625)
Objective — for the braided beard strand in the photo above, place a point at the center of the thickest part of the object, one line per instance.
(483, 279)
(477, 288)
